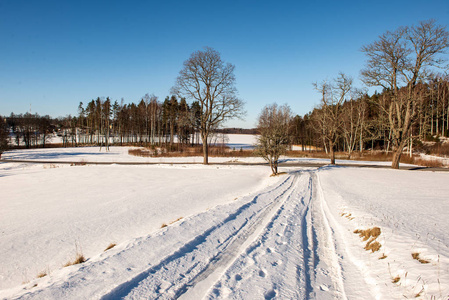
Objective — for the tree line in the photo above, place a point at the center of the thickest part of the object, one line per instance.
(413, 104)
(101, 122)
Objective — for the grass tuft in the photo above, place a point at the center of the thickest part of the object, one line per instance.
(42, 274)
(415, 255)
(79, 259)
(174, 221)
(396, 279)
(111, 245)
(370, 235)
(366, 234)
(383, 256)
(373, 245)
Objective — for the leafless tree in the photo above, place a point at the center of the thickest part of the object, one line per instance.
(403, 58)
(330, 117)
(273, 125)
(353, 127)
(207, 79)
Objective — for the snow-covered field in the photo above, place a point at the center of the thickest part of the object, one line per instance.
(233, 231)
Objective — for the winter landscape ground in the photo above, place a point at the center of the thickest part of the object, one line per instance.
(220, 231)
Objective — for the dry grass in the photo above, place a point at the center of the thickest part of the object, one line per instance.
(80, 163)
(42, 274)
(164, 225)
(178, 151)
(347, 216)
(415, 255)
(174, 221)
(111, 245)
(432, 163)
(396, 279)
(419, 294)
(383, 256)
(370, 235)
(372, 245)
(366, 234)
(79, 259)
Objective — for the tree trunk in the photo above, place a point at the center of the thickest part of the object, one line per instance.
(332, 153)
(396, 158)
(397, 154)
(205, 149)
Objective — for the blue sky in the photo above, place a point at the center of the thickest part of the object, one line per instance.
(55, 54)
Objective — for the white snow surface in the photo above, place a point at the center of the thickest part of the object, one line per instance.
(242, 234)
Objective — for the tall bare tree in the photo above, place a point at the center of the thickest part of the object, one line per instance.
(273, 125)
(330, 118)
(210, 81)
(403, 58)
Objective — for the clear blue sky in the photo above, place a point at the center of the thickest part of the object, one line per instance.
(54, 54)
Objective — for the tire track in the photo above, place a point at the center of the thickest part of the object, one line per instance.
(276, 264)
(196, 260)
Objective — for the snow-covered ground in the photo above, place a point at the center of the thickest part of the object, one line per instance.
(242, 234)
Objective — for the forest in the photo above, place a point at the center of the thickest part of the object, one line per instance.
(150, 122)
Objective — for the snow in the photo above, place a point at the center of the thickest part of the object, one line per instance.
(232, 231)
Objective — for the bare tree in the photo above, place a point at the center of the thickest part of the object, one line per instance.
(398, 59)
(273, 125)
(207, 79)
(354, 116)
(330, 119)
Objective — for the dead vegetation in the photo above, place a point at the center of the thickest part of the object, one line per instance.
(370, 235)
(178, 151)
(111, 245)
(396, 279)
(79, 259)
(415, 255)
(176, 220)
(366, 234)
(383, 256)
(80, 163)
(42, 274)
(347, 216)
(372, 245)
(224, 151)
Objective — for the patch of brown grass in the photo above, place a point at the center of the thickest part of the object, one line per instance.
(184, 151)
(419, 294)
(396, 279)
(367, 233)
(164, 225)
(383, 256)
(80, 163)
(347, 216)
(431, 163)
(372, 245)
(42, 274)
(415, 255)
(174, 221)
(370, 235)
(111, 245)
(79, 259)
